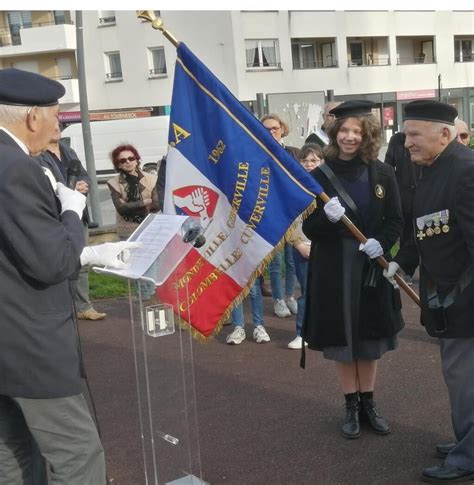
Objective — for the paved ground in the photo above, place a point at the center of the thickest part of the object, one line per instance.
(262, 419)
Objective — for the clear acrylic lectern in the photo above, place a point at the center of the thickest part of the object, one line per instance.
(163, 355)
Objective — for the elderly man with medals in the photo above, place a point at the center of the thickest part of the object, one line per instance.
(443, 247)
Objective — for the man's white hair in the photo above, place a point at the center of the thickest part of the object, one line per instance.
(12, 114)
(438, 127)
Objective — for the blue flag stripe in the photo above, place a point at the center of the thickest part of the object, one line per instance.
(242, 125)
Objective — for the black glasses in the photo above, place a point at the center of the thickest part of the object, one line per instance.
(126, 159)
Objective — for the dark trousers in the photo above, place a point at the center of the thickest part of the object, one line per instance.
(64, 433)
(457, 360)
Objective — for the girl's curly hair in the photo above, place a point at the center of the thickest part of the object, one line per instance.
(371, 138)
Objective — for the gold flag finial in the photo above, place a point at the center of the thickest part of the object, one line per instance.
(157, 23)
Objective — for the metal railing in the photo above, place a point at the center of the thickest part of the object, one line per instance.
(416, 60)
(11, 35)
(107, 20)
(313, 64)
(65, 77)
(370, 61)
(113, 76)
(459, 58)
(264, 65)
(155, 72)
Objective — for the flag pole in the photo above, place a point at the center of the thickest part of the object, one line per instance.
(380, 260)
(157, 23)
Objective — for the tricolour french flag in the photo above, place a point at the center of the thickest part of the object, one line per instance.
(225, 168)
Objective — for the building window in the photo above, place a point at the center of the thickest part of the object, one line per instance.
(59, 17)
(463, 50)
(18, 20)
(106, 17)
(113, 67)
(304, 55)
(313, 53)
(368, 51)
(157, 61)
(30, 65)
(416, 50)
(262, 53)
(356, 53)
(64, 68)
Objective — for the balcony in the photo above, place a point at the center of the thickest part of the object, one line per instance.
(416, 50)
(72, 90)
(314, 52)
(367, 51)
(37, 39)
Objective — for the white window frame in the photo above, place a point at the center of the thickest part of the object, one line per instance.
(111, 76)
(261, 66)
(107, 18)
(151, 64)
(459, 42)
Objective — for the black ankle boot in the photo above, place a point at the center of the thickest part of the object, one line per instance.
(368, 412)
(351, 426)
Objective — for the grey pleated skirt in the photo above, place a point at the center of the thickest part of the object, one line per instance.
(357, 347)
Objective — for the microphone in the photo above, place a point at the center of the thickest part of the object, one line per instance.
(73, 173)
(193, 233)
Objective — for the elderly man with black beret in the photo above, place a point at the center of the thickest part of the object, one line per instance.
(443, 246)
(41, 247)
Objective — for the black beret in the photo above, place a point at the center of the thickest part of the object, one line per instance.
(352, 109)
(430, 110)
(23, 88)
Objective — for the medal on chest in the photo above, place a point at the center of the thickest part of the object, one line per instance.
(444, 217)
(432, 224)
(420, 224)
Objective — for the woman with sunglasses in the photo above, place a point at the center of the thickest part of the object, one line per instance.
(352, 315)
(133, 191)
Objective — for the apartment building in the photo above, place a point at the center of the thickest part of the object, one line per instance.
(389, 57)
(43, 42)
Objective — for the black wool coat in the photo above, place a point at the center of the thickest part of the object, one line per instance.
(39, 252)
(380, 305)
(446, 256)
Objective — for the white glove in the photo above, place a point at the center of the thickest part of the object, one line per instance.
(389, 273)
(113, 254)
(372, 248)
(71, 200)
(334, 210)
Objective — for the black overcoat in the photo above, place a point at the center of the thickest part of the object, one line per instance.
(39, 251)
(379, 309)
(446, 256)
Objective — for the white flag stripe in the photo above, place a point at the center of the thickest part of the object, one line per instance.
(223, 244)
